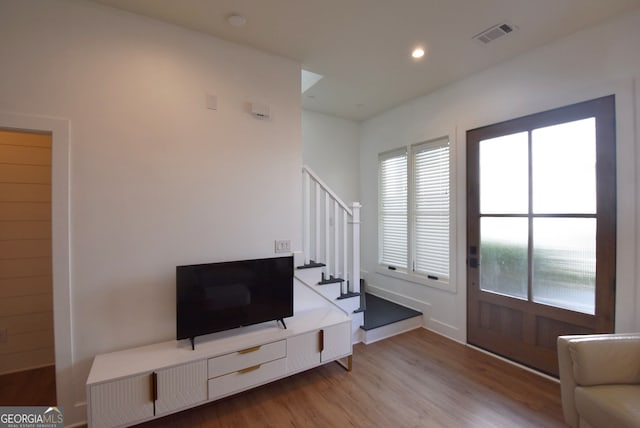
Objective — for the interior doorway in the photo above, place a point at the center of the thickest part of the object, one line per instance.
(27, 355)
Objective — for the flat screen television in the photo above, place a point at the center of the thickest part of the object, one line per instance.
(213, 297)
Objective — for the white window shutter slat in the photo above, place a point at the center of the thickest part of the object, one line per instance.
(393, 209)
(431, 209)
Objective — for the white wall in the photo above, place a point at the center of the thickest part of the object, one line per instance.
(156, 180)
(330, 147)
(586, 65)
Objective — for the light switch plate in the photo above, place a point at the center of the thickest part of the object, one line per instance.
(283, 246)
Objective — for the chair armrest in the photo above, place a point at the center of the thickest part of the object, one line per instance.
(595, 359)
(606, 359)
(567, 382)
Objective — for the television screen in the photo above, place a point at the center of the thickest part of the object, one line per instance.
(213, 297)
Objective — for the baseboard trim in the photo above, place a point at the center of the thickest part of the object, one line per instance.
(446, 336)
(514, 363)
(444, 329)
(390, 330)
(400, 299)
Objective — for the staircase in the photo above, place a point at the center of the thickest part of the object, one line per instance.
(330, 264)
(349, 303)
(331, 244)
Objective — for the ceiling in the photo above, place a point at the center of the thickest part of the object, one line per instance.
(362, 48)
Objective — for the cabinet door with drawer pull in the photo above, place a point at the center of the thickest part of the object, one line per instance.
(303, 351)
(336, 342)
(121, 402)
(181, 386)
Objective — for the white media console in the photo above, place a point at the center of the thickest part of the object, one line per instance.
(135, 385)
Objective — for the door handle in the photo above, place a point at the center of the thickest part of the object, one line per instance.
(249, 350)
(249, 369)
(473, 262)
(154, 386)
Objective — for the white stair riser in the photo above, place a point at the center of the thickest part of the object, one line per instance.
(357, 320)
(332, 291)
(390, 330)
(310, 275)
(350, 304)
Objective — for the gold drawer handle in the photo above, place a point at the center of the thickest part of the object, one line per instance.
(249, 350)
(249, 369)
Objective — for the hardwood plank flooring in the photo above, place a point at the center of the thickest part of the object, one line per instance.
(35, 387)
(417, 379)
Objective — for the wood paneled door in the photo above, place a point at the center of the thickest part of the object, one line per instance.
(26, 307)
(541, 228)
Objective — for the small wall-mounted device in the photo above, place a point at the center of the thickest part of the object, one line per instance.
(260, 111)
(212, 102)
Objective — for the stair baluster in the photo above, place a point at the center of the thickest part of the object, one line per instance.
(327, 239)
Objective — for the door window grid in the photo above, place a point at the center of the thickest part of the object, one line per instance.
(559, 165)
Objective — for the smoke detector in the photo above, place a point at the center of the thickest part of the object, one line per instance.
(495, 32)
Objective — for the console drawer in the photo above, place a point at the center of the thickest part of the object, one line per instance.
(246, 378)
(251, 357)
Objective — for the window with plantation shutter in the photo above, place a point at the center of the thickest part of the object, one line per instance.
(431, 209)
(393, 209)
(414, 215)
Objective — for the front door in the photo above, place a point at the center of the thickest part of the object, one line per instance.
(541, 225)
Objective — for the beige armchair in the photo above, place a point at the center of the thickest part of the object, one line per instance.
(600, 380)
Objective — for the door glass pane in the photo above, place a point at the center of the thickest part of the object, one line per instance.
(564, 168)
(564, 263)
(504, 174)
(503, 255)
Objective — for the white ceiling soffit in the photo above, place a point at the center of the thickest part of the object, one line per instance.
(362, 48)
(309, 79)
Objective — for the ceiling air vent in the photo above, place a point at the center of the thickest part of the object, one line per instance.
(495, 32)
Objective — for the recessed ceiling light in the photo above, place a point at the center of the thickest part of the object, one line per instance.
(417, 53)
(237, 20)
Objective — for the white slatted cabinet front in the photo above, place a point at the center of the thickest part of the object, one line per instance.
(181, 387)
(121, 402)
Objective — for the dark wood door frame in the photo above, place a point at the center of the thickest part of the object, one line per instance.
(522, 330)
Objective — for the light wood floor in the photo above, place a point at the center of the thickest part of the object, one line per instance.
(417, 379)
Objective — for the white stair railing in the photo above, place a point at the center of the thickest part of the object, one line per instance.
(331, 232)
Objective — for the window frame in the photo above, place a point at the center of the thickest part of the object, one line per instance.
(381, 158)
(407, 273)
